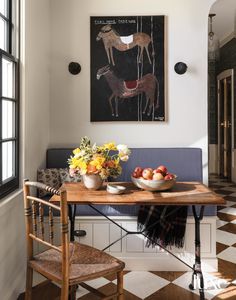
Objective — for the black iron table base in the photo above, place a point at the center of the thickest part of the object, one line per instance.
(196, 268)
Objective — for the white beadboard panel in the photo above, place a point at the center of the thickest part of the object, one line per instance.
(100, 235)
(115, 233)
(88, 238)
(134, 243)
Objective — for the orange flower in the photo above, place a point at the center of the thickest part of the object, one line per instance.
(91, 169)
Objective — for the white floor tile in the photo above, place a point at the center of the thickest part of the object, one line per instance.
(97, 283)
(220, 223)
(229, 254)
(142, 284)
(234, 282)
(233, 222)
(213, 285)
(226, 238)
(81, 292)
(229, 210)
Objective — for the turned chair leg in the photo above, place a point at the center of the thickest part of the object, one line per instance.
(64, 291)
(120, 285)
(29, 282)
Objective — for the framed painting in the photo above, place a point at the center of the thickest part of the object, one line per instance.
(127, 68)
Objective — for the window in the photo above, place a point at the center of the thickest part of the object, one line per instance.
(9, 97)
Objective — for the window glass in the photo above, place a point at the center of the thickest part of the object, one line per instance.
(8, 119)
(3, 26)
(9, 102)
(3, 7)
(7, 78)
(7, 160)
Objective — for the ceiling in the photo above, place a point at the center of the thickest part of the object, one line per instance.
(224, 23)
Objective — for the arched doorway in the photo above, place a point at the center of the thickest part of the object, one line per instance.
(222, 90)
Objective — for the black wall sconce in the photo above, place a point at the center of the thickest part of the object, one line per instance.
(180, 68)
(74, 68)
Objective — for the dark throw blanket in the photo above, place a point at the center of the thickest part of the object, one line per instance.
(164, 225)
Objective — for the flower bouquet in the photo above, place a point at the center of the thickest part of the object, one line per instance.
(102, 161)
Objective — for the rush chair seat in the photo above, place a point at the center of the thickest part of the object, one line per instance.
(69, 264)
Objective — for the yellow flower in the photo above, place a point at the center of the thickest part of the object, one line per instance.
(98, 162)
(76, 151)
(83, 167)
(74, 163)
(110, 146)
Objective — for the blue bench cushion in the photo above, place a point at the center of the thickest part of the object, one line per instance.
(186, 163)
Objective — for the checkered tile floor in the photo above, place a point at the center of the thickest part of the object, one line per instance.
(174, 285)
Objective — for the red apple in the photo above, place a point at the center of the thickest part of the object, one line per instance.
(135, 175)
(169, 176)
(158, 176)
(156, 171)
(147, 173)
(163, 169)
(139, 171)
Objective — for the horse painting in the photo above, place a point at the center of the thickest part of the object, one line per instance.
(148, 84)
(111, 39)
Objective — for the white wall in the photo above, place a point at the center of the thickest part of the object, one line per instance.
(186, 95)
(36, 83)
(34, 108)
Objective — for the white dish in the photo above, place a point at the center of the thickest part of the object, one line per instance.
(115, 189)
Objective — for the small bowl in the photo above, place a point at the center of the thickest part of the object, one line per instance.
(154, 185)
(115, 189)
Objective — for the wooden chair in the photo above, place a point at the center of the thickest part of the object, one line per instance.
(69, 264)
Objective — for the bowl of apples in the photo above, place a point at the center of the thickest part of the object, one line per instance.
(149, 179)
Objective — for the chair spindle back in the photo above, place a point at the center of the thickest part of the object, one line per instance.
(34, 217)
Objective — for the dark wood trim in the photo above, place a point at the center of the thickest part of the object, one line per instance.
(10, 27)
(0, 121)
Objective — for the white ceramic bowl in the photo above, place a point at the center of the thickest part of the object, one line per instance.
(154, 185)
(115, 188)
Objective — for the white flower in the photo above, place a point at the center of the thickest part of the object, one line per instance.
(123, 149)
(124, 157)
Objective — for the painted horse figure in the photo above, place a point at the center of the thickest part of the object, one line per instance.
(121, 89)
(123, 43)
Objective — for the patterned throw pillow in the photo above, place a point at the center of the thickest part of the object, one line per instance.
(49, 177)
(65, 176)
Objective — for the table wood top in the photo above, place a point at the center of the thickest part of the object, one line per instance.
(183, 193)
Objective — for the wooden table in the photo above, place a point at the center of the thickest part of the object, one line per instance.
(183, 193)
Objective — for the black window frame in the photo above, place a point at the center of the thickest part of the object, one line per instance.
(12, 183)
